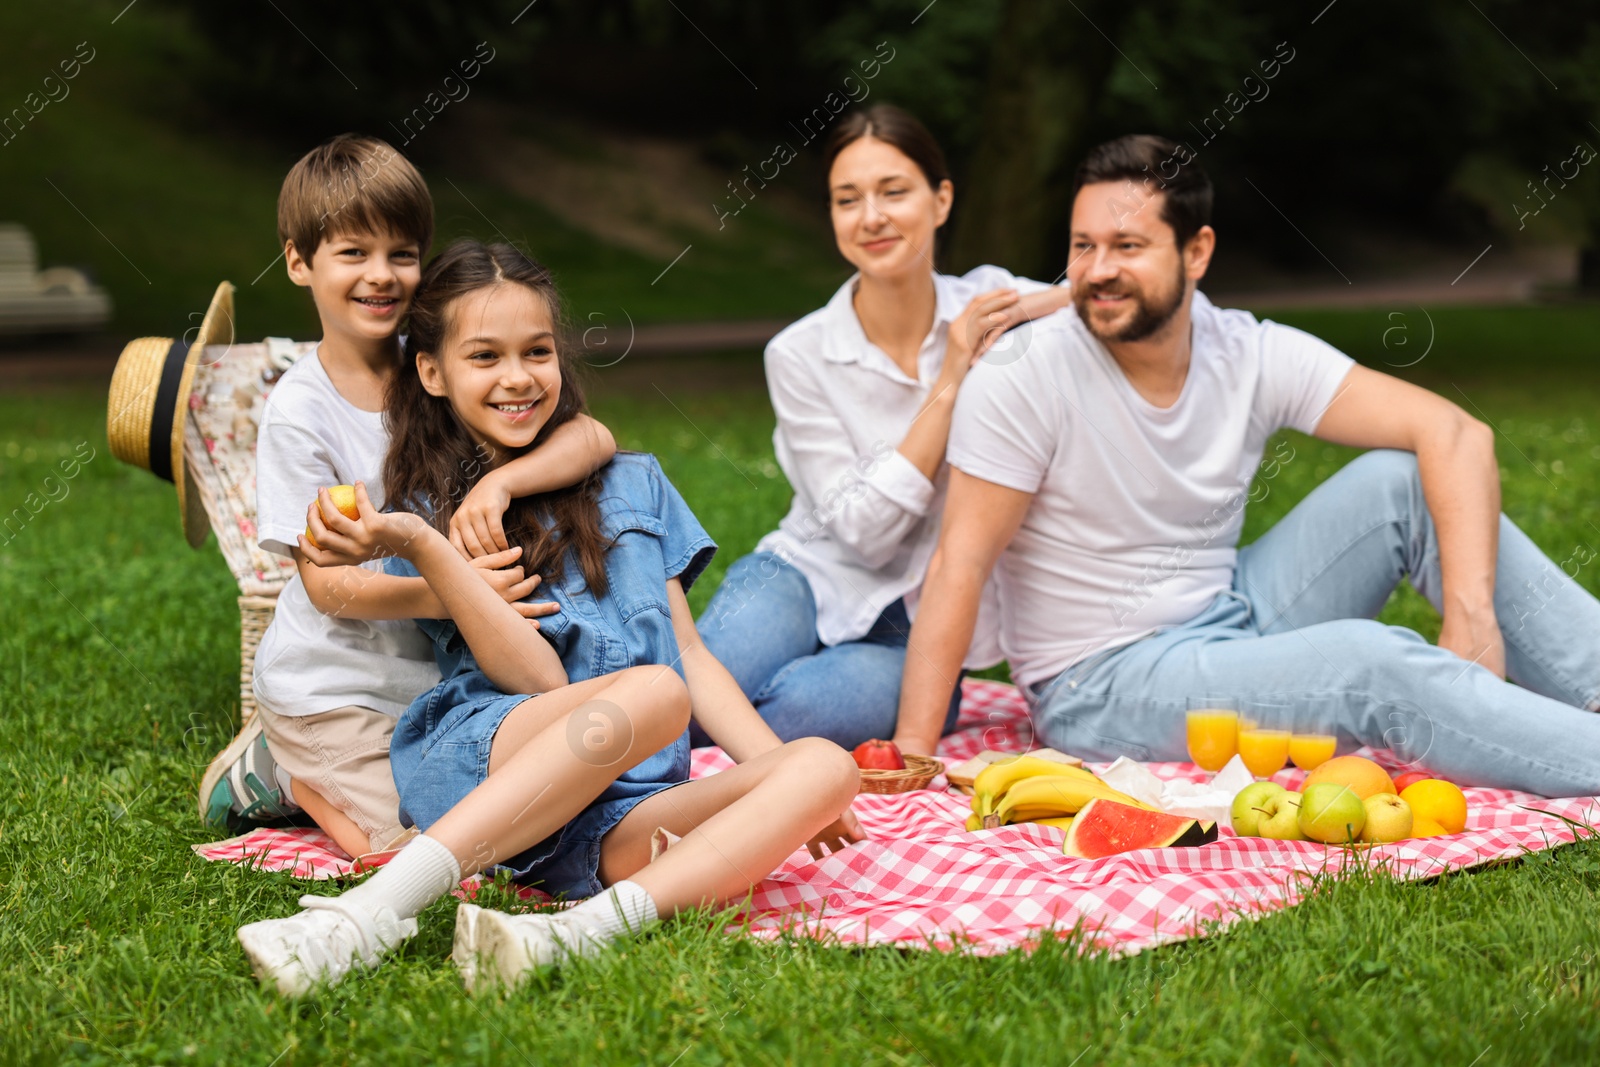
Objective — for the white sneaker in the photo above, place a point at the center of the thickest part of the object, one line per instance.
(321, 944)
(493, 946)
(464, 949)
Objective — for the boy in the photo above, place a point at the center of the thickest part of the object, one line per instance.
(331, 674)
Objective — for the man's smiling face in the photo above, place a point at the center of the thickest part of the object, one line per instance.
(1129, 277)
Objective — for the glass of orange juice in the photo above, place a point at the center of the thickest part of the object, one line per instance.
(1213, 732)
(1264, 738)
(1311, 750)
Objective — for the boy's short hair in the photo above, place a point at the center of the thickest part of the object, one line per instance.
(353, 184)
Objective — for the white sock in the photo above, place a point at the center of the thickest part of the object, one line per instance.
(624, 908)
(284, 783)
(420, 874)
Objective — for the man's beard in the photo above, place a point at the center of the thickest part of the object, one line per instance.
(1148, 319)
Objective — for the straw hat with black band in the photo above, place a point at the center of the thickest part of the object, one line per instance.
(150, 400)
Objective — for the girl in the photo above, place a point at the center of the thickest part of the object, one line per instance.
(567, 787)
(813, 625)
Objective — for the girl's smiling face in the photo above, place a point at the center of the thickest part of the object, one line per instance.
(497, 367)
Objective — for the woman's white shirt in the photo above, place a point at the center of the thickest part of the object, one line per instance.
(865, 521)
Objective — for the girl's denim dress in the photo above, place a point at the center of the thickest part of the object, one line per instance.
(440, 750)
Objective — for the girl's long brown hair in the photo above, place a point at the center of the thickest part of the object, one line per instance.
(433, 461)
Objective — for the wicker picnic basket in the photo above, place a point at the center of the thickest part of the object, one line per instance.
(917, 773)
(255, 615)
(201, 403)
(219, 450)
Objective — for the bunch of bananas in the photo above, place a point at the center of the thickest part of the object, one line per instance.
(1029, 789)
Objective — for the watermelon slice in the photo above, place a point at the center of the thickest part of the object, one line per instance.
(1105, 828)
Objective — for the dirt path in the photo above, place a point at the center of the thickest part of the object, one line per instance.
(1497, 275)
(1509, 278)
(90, 359)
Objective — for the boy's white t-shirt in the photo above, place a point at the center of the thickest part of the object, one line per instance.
(309, 662)
(1135, 520)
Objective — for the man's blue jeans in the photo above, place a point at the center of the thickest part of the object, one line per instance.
(762, 626)
(1296, 633)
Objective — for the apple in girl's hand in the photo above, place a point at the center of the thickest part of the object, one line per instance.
(876, 755)
(344, 498)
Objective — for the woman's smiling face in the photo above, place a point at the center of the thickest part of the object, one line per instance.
(497, 366)
(885, 214)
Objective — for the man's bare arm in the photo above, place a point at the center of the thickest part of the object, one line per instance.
(980, 518)
(1461, 482)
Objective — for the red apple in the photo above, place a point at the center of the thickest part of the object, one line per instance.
(876, 755)
(1403, 780)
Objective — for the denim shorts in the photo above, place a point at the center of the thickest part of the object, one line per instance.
(436, 769)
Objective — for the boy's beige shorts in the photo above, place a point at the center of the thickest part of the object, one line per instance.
(344, 755)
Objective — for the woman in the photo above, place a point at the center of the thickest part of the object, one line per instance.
(813, 624)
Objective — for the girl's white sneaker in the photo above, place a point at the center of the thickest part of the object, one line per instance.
(493, 946)
(464, 949)
(321, 944)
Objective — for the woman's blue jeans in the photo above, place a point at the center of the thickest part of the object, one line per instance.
(762, 626)
(1295, 639)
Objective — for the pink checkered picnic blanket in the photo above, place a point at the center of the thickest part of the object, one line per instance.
(923, 880)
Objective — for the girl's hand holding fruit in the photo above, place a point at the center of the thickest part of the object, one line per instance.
(344, 529)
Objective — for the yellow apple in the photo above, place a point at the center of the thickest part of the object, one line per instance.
(1246, 814)
(344, 498)
(1280, 817)
(1388, 818)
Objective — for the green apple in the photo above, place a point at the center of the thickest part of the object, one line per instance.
(1332, 813)
(1388, 818)
(1280, 817)
(1246, 814)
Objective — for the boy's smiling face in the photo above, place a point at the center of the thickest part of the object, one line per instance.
(362, 283)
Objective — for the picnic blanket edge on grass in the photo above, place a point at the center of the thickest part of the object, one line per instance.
(923, 881)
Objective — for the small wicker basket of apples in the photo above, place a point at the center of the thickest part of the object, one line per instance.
(885, 770)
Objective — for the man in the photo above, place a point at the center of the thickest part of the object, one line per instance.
(1106, 469)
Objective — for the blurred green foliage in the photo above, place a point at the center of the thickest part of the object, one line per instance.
(1370, 120)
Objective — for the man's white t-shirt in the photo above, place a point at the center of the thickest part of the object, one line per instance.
(309, 662)
(1135, 520)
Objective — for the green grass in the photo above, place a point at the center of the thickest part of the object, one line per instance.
(118, 667)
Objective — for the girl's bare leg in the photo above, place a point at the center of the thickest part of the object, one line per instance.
(736, 826)
(554, 754)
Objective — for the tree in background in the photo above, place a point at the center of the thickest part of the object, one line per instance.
(306, 71)
(1365, 130)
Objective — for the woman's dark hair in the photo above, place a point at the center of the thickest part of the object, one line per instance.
(892, 126)
(433, 460)
(1147, 159)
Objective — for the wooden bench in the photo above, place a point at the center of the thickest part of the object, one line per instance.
(57, 300)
